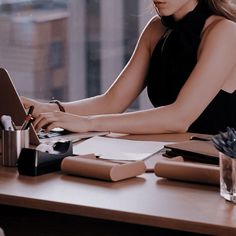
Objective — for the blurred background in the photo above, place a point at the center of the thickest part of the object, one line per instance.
(69, 49)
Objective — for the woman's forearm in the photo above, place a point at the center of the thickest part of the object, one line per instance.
(91, 106)
(158, 120)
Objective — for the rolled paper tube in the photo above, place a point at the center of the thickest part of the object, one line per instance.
(101, 169)
(187, 171)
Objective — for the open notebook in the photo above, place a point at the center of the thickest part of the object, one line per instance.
(10, 104)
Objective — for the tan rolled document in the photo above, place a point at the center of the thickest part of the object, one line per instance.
(187, 171)
(101, 169)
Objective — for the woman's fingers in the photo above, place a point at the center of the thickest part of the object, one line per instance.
(30, 102)
(58, 119)
(44, 120)
(52, 125)
(26, 102)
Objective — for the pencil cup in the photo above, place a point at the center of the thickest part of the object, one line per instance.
(228, 177)
(12, 143)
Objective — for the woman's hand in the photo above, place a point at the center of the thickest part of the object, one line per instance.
(39, 107)
(57, 119)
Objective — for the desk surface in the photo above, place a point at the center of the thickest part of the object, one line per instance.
(145, 200)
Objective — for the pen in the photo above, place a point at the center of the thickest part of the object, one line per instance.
(28, 119)
(13, 125)
(200, 138)
(30, 111)
(27, 122)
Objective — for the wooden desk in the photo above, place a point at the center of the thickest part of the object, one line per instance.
(145, 200)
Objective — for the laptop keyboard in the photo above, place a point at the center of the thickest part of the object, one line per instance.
(43, 135)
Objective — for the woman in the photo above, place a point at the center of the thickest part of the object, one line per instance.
(186, 58)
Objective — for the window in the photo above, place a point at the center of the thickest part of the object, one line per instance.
(69, 49)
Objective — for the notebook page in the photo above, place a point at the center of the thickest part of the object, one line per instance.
(118, 149)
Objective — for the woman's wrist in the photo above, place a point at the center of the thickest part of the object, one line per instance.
(58, 104)
(42, 107)
(48, 107)
(104, 122)
(93, 123)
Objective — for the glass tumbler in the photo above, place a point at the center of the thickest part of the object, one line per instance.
(228, 177)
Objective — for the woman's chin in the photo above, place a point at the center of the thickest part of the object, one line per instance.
(164, 13)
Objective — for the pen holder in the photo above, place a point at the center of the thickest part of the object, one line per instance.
(12, 143)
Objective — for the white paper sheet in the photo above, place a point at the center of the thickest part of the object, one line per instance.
(118, 149)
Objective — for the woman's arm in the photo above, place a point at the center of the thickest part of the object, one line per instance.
(129, 83)
(215, 63)
(124, 90)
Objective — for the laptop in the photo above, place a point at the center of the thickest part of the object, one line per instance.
(10, 104)
(194, 150)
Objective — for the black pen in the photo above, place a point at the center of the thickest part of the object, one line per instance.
(29, 122)
(28, 119)
(30, 111)
(199, 138)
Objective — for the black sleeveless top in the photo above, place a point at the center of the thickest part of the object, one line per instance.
(173, 60)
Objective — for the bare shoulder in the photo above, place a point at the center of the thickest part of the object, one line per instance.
(221, 23)
(218, 41)
(220, 27)
(155, 24)
(153, 32)
(218, 30)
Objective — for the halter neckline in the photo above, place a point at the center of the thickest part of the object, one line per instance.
(190, 19)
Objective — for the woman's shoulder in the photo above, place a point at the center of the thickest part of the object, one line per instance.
(218, 30)
(219, 25)
(153, 31)
(155, 21)
(155, 25)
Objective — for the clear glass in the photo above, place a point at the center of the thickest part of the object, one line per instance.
(228, 178)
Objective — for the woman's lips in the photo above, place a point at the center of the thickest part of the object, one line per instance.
(159, 3)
